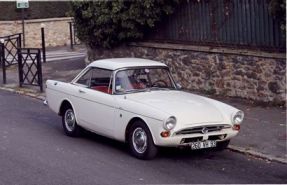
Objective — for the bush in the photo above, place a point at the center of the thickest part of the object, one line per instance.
(109, 23)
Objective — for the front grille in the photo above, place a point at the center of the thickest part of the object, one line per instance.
(200, 129)
(189, 140)
(210, 138)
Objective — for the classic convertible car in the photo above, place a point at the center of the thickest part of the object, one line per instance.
(138, 102)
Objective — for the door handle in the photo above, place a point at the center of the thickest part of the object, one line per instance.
(81, 91)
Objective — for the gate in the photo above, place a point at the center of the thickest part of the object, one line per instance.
(30, 69)
(11, 43)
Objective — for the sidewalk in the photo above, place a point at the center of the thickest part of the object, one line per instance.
(263, 133)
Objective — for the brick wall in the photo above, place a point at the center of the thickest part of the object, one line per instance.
(56, 31)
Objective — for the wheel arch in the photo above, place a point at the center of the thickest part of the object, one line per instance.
(131, 122)
(63, 105)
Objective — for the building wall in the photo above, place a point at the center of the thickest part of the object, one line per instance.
(57, 32)
(236, 73)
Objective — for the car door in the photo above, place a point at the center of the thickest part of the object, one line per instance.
(95, 102)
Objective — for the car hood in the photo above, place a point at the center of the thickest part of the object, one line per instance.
(186, 107)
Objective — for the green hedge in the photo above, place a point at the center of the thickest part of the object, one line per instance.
(107, 24)
(36, 10)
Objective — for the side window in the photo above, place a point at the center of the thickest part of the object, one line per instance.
(85, 79)
(101, 80)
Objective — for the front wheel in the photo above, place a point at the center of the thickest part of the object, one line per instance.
(140, 141)
(69, 122)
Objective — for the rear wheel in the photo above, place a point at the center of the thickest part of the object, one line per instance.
(140, 141)
(222, 145)
(69, 122)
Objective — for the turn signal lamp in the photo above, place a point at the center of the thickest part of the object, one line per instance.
(165, 134)
(236, 127)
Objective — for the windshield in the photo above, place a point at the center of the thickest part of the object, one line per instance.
(141, 79)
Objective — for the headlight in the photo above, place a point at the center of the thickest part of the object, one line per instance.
(238, 118)
(170, 123)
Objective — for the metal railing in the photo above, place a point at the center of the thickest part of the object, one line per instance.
(11, 43)
(240, 23)
(30, 67)
(28, 59)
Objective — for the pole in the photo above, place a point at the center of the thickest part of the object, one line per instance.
(20, 67)
(23, 25)
(43, 43)
(39, 69)
(71, 35)
(2, 59)
(20, 41)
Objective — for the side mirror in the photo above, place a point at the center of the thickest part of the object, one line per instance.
(178, 86)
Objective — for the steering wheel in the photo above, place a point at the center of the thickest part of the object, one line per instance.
(159, 83)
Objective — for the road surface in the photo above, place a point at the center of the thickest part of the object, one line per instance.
(34, 150)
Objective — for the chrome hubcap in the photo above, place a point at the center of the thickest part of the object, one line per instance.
(70, 120)
(139, 140)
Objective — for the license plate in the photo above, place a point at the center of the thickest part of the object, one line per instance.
(202, 144)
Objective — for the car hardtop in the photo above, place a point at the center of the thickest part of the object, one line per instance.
(118, 63)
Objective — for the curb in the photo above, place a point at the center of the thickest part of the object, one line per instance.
(30, 94)
(257, 154)
(230, 147)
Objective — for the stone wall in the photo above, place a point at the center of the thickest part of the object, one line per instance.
(57, 32)
(236, 73)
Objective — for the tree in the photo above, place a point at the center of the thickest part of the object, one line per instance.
(109, 23)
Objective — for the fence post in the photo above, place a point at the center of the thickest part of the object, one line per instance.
(20, 68)
(71, 34)
(43, 42)
(19, 41)
(2, 60)
(39, 69)
(23, 25)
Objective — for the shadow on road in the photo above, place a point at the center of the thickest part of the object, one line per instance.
(164, 152)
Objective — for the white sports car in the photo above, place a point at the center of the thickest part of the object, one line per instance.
(138, 102)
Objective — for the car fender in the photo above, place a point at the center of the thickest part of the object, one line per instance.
(129, 110)
(73, 107)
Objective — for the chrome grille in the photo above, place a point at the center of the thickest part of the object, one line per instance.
(200, 129)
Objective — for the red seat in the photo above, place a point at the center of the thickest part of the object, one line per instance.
(104, 89)
(138, 86)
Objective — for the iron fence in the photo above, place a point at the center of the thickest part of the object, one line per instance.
(30, 67)
(11, 43)
(243, 23)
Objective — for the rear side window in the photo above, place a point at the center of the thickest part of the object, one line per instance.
(97, 79)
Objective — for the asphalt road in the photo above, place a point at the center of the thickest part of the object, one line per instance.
(34, 150)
